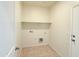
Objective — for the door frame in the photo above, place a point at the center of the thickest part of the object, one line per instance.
(71, 29)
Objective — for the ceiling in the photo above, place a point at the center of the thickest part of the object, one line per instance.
(38, 3)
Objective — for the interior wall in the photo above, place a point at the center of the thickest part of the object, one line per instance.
(35, 14)
(7, 27)
(60, 28)
(32, 32)
(18, 10)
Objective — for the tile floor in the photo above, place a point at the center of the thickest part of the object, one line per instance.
(39, 51)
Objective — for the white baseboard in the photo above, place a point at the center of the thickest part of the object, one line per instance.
(55, 50)
(11, 52)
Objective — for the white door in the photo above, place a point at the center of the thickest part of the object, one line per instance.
(75, 32)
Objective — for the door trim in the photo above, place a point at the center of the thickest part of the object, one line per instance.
(74, 6)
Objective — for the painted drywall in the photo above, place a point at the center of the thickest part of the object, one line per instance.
(18, 11)
(35, 14)
(7, 27)
(18, 14)
(32, 32)
(60, 28)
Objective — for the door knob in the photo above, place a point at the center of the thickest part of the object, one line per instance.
(73, 36)
(73, 40)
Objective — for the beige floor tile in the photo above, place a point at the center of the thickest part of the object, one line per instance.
(39, 51)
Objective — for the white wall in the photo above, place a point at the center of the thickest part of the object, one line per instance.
(18, 16)
(35, 14)
(60, 28)
(39, 30)
(7, 27)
